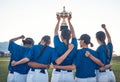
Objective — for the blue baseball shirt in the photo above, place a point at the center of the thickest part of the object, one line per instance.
(48, 56)
(61, 48)
(85, 67)
(102, 54)
(17, 53)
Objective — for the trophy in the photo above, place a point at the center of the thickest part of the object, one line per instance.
(63, 15)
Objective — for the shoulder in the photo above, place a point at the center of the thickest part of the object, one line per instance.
(36, 46)
(49, 48)
(100, 47)
(92, 51)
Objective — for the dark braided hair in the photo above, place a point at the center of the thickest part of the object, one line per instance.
(46, 39)
(66, 34)
(101, 36)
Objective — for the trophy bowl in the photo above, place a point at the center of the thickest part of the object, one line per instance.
(64, 14)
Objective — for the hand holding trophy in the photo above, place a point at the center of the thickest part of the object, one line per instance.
(63, 15)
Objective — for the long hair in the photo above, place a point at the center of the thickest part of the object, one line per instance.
(101, 36)
(46, 39)
(66, 34)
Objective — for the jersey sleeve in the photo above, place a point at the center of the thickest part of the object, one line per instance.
(56, 40)
(12, 46)
(74, 41)
(110, 47)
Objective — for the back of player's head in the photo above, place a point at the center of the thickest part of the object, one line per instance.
(46, 39)
(86, 39)
(29, 41)
(63, 27)
(66, 34)
(101, 36)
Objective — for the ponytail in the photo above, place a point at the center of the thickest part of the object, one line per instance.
(42, 50)
(91, 44)
(107, 50)
(108, 53)
(47, 41)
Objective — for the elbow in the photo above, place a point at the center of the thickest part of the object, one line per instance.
(26, 59)
(57, 62)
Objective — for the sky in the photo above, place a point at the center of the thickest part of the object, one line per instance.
(36, 18)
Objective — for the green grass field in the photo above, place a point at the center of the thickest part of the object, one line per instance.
(4, 70)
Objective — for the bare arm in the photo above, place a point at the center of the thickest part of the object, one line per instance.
(57, 25)
(17, 38)
(107, 33)
(96, 60)
(61, 58)
(106, 67)
(68, 67)
(24, 60)
(71, 26)
(37, 65)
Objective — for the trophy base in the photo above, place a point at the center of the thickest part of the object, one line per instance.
(63, 27)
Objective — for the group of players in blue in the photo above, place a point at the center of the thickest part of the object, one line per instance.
(30, 62)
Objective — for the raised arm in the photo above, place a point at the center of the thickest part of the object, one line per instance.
(17, 38)
(57, 25)
(107, 33)
(71, 26)
(62, 58)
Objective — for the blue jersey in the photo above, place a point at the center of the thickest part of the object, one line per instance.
(17, 53)
(61, 48)
(85, 67)
(102, 54)
(47, 57)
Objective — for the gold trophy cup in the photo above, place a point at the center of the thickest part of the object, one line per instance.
(64, 14)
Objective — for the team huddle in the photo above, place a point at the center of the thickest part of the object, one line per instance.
(30, 62)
